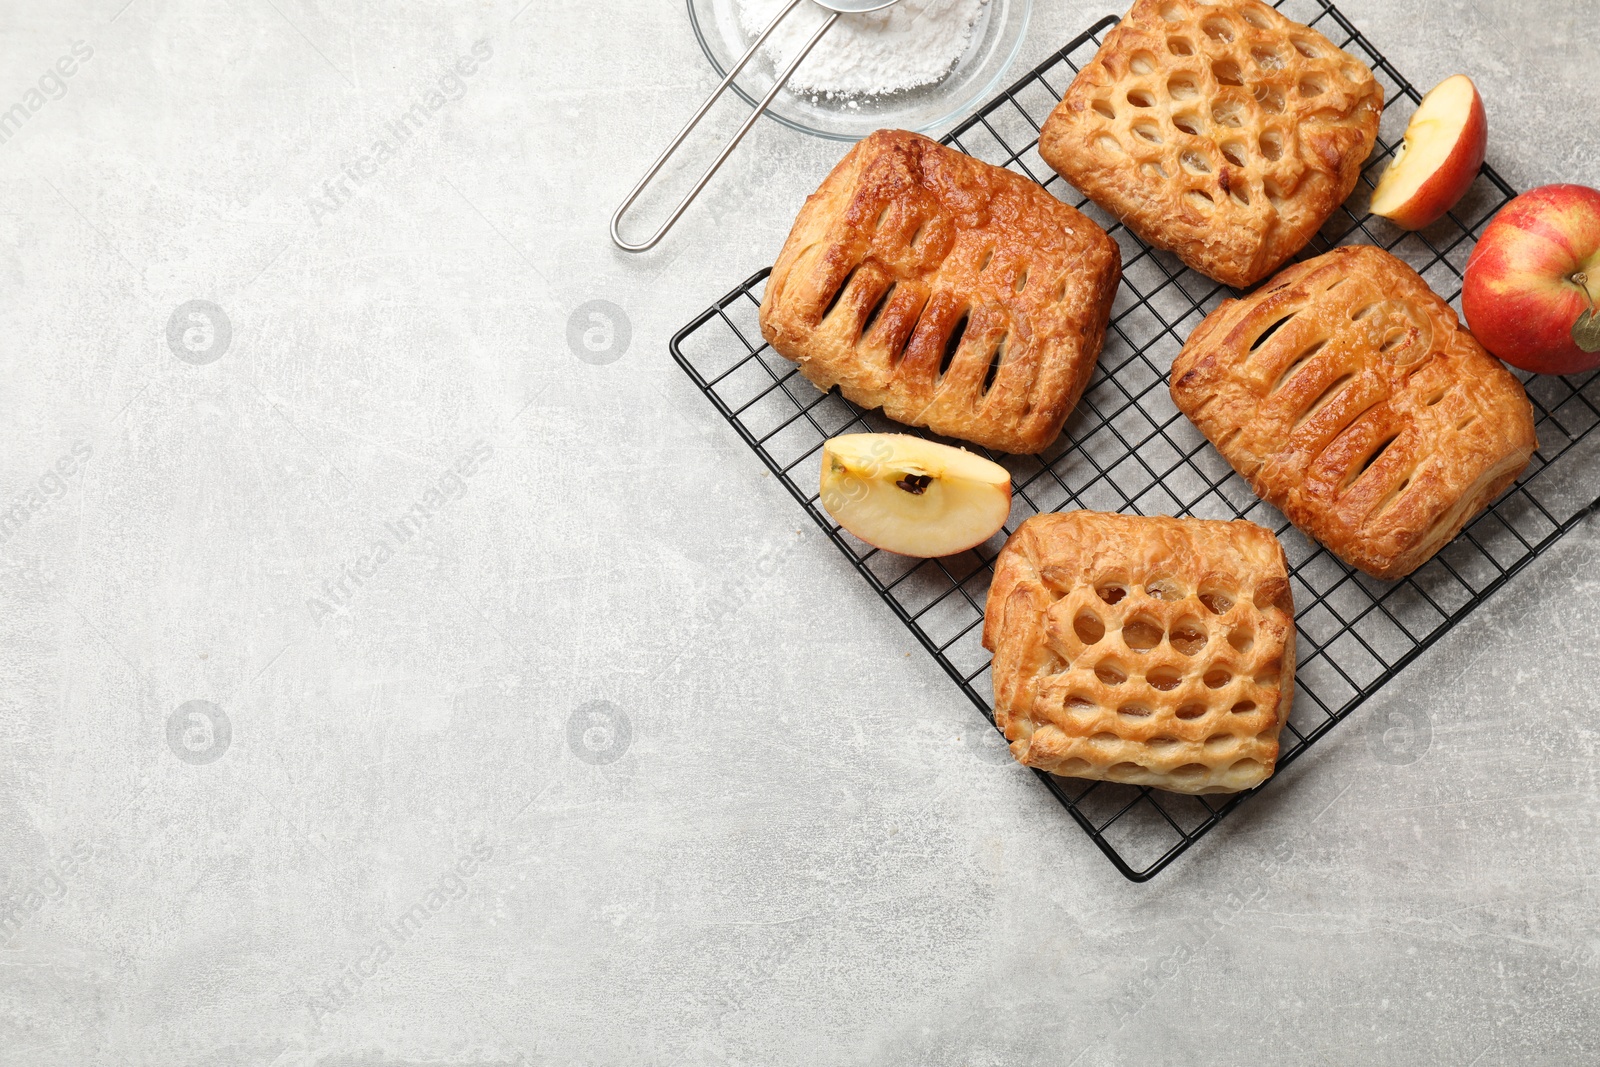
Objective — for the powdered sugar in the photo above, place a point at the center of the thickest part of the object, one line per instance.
(915, 42)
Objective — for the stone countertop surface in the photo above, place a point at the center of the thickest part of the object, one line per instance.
(385, 684)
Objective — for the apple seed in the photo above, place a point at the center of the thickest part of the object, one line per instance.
(915, 484)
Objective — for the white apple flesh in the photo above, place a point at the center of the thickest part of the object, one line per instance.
(1442, 154)
(913, 497)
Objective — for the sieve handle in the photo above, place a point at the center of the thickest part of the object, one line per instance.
(782, 80)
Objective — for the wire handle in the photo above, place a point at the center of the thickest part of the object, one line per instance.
(783, 79)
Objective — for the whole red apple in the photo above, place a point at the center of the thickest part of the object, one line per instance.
(1532, 293)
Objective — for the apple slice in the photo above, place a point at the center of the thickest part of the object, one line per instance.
(1443, 150)
(915, 497)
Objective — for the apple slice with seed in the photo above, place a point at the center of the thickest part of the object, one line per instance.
(1442, 153)
(914, 497)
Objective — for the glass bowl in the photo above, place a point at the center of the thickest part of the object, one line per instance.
(996, 39)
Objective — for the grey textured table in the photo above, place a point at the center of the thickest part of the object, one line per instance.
(404, 665)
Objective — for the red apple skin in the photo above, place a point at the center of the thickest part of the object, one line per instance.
(1445, 188)
(1521, 296)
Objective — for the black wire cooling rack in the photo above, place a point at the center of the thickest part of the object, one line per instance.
(1126, 448)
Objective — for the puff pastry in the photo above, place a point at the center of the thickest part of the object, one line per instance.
(1353, 400)
(1223, 132)
(953, 294)
(1152, 651)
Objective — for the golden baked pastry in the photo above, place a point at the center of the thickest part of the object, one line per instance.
(953, 294)
(1152, 651)
(1354, 401)
(1224, 132)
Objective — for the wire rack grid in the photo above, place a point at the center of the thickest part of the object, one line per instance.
(1126, 448)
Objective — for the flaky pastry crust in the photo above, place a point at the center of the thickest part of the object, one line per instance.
(953, 294)
(1223, 132)
(1354, 401)
(1152, 651)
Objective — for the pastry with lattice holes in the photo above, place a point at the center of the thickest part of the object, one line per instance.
(1224, 132)
(951, 293)
(1151, 651)
(1354, 401)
